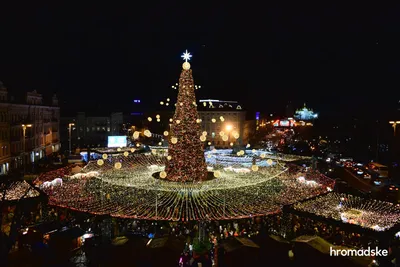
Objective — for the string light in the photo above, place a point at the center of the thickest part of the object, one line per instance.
(367, 213)
(256, 193)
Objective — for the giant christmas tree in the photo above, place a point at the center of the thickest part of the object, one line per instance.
(186, 155)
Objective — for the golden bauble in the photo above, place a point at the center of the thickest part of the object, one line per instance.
(100, 162)
(186, 65)
(104, 156)
(118, 165)
(163, 174)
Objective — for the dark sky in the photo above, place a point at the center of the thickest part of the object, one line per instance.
(338, 59)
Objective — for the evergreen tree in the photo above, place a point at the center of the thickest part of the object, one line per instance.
(187, 162)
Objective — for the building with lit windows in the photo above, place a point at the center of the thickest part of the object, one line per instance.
(39, 122)
(221, 116)
(91, 130)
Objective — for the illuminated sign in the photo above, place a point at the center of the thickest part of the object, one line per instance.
(117, 141)
(284, 123)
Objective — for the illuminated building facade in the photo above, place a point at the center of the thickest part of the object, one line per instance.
(221, 116)
(41, 132)
(305, 114)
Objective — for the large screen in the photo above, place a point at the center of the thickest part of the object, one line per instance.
(116, 141)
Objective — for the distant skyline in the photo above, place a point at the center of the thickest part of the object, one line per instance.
(107, 56)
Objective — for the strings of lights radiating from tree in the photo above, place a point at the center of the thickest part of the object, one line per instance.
(130, 191)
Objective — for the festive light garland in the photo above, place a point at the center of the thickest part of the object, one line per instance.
(367, 213)
(132, 191)
(17, 190)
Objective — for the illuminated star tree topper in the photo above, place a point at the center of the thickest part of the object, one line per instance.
(186, 56)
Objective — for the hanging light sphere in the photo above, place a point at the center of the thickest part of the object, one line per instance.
(132, 150)
(213, 120)
(221, 133)
(262, 155)
(149, 119)
(147, 133)
(174, 140)
(126, 153)
(100, 162)
(209, 143)
(118, 165)
(225, 138)
(169, 158)
(163, 174)
(104, 156)
(217, 174)
(136, 135)
(204, 133)
(119, 149)
(157, 116)
(166, 133)
(231, 144)
(254, 168)
(202, 138)
(198, 120)
(270, 162)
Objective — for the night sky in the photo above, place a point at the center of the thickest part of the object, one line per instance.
(339, 60)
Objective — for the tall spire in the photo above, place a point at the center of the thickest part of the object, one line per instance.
(186, 154)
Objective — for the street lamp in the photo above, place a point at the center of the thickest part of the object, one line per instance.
(24, 126)
(69, 134)
(394, 124)
(229, 128)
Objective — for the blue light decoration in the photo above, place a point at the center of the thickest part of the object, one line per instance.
(305, 114)
(136, 101)
(257, 115)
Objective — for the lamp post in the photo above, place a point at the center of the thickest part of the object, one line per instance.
(394, 124)
(24, 126)
(229, 128)
(69, 135)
